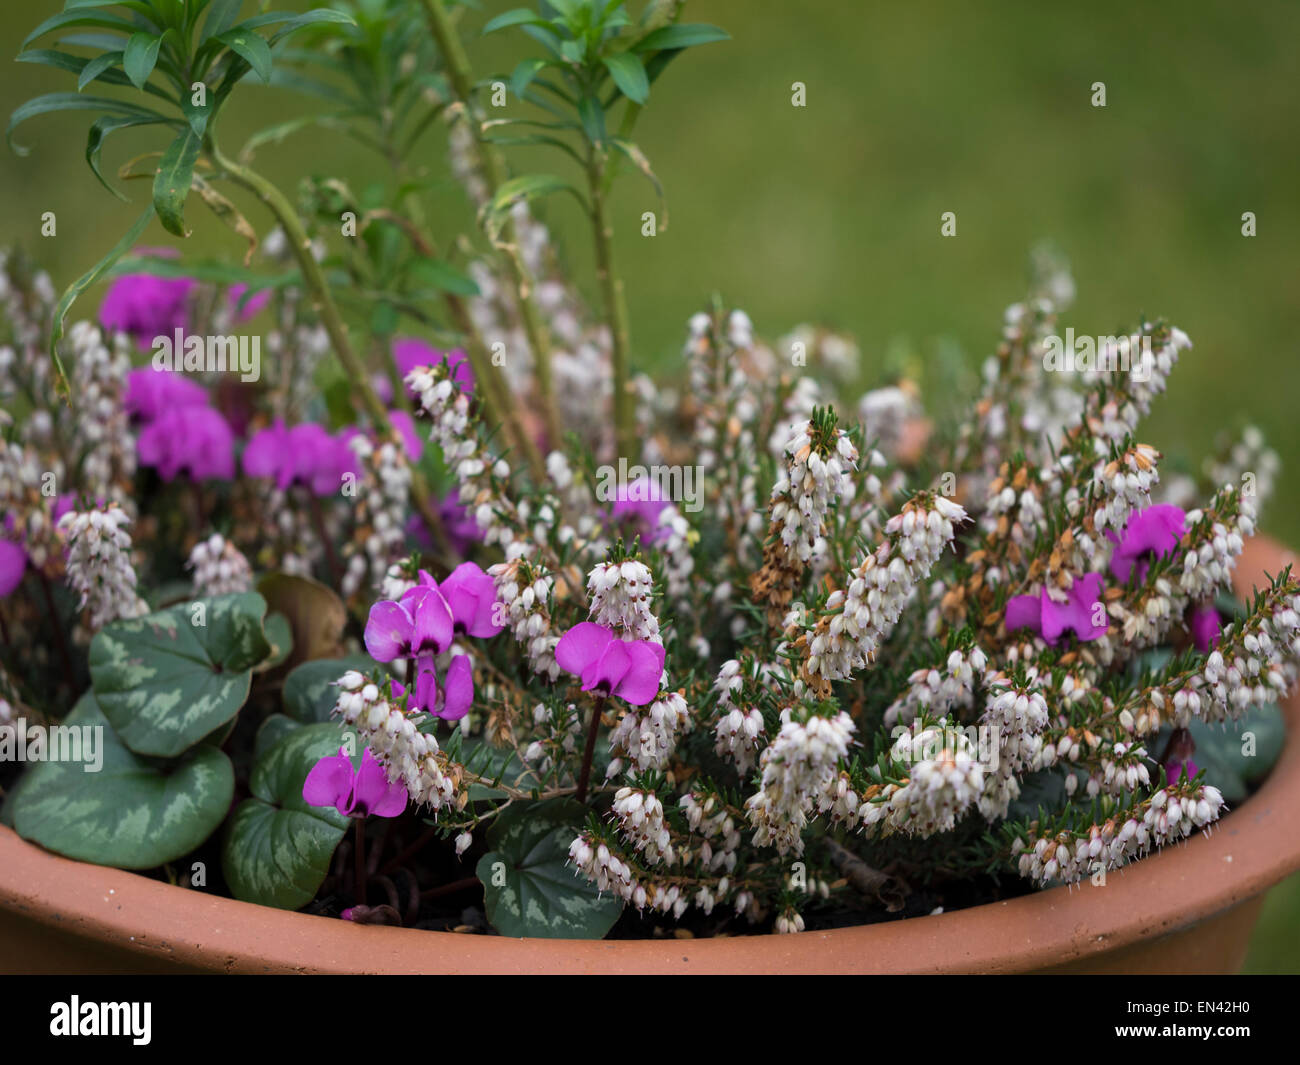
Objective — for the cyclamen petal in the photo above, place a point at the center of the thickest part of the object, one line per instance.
(1076, 613)
(458, 689)
(629, 669)
(1206, 625)
(1152, 533)
(372, 793)
(433, 629)
(389, 631)
(581, 645)
(13, 564)
(1024, 612)
(471, 594)
(329, 782)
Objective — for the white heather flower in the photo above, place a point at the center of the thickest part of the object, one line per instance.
(620, 599)
(945, 779)
(219, 567)
(382, 508)
(102, 430)
(463, 842)
(99, 564)
(818, 469)
(799, 770)
(737, 736)
(855, 621)
(648, 736)
(525, 590)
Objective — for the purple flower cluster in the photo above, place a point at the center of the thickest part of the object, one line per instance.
(1152, 534)
(306, 454)
(421, 626)
(178, 431)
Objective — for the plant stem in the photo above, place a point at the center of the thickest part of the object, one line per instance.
(318, 519)
(324, 305)
(58, 629)
(409, 851)
(458, 71)
(450, 889)
(590, 752)
(359, 888)
(615, 307)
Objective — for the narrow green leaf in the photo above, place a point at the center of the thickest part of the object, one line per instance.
(221, 16)
(251, 48)
(519, 16)
(84, 282)
(99, 132)
(629, 75)
(72, 17)
(524, 73)
(71, 101)
(171, 185)
(444, 277)
(97, 66)
(673, 37)
(140, 57)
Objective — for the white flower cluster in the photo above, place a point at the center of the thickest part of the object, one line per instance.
(1258, 667)
(939, 788)
(22, 480)
(395, 583)
(856, 620)
(1125, 485)
(674, 547)
(101, 430)
(620, 599)
(99, 564)
(1170, 815)
(220, 568)
(609, 872)
(1018, 716)
(712, 821)
(798, 407)
(799, 769)
(1123, 768)
(384, 507)
(394, 738)
(648, 738)
(939, 690)
(814, 475)
(640, 817)
(1208, 568)
(738, 731)
(1251, 460)
(526, 590)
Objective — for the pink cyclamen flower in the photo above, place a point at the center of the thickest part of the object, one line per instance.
(1176, 767)
(629, 669)
(1152, 533)
(419, 623)
(409, 352)
(353, 793)
(306, 454)
(193, 440)
(639, 503)
(1205, 627)
(412, 441)
(457, 522)
(13, 564)
(451, 699)
(145, 306)
(472, 596)
(150, 392)
(1052, 619)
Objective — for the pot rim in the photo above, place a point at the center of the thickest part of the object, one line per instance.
(1252, 849)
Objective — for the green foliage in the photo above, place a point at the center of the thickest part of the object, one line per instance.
(277, 848)
(134, 813)
(165, 682)
(309, 692)
(529, 888)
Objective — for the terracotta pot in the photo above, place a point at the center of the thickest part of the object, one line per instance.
(1188, 909)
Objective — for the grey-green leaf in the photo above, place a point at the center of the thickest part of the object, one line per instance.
(131, 813)
(165, 682)
(140, 57)
(629, 75)
(171, 185)
(529, 888)
(250, 47)
(277, 848)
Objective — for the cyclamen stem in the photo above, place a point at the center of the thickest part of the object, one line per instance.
(359, 887)
(323, 303)
(58, 629)
(318, 519)
(590, 752)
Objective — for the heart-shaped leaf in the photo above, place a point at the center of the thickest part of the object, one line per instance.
(529, 888)
(167, 680)
(309, 692)
(277, 848)
(130, 813)
(315, 612)
(279, 635)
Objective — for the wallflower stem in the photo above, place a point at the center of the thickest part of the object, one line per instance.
(585, 776)
(458, 71)
(611, 286)
(324, 305)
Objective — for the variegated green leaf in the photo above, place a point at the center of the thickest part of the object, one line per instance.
(131, 813)
(277, 848)
(529, 888)
(309, 693)
(168, 679)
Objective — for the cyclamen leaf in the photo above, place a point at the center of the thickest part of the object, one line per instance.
(165, 683)
(277, 848)
(529, 888)
(309, 692)
(131, 813)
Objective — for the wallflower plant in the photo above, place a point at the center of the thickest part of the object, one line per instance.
(887, 663)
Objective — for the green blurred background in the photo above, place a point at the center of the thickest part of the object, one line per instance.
(831, 212)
